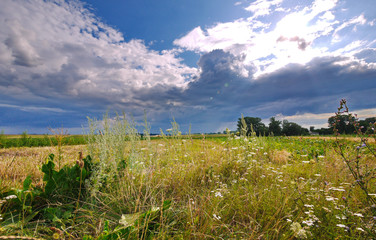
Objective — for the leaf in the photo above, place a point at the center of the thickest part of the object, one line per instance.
(27, 183)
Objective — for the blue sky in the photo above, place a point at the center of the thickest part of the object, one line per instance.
(203, 63)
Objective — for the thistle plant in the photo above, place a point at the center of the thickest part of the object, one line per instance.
(357, 161)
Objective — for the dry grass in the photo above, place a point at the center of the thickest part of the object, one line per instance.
(17, 163)
(280, 157)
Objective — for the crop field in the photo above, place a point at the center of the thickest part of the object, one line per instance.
(178, 187)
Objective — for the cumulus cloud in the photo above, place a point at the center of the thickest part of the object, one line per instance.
(268, 45)
(59, 49)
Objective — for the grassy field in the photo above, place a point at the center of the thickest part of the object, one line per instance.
(185, 188)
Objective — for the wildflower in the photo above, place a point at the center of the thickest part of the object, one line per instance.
(309, 206)
(341, 225)
(329, 198)
(358, 214)
(10, 197)
(56, 236)
(309, 222)
(360, 229)
(216, 217)
(298, 230)
(218, 194)
(318, 175)
(321, 156)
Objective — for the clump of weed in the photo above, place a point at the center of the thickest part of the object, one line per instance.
(107, 141)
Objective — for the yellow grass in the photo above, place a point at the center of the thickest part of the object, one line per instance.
(17, 163)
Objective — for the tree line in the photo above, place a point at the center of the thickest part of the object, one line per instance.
(254, 125)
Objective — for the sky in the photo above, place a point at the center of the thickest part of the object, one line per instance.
(201, 63)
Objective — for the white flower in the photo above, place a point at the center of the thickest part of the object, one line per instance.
(10, 197)
(309, 222)
(298, 230)
(309, 206)
(328, 198)
(216, 217)
(341, 225)
(218, 194)
(358, 214)
(360, 229)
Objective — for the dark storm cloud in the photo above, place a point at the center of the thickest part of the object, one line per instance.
(290, 89)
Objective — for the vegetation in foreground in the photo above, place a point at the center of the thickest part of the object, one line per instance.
(182, 188)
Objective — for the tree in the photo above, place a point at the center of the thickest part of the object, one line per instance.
(367, 124)
(275, 127)
(252, 123)
(342, 124)
(293, 129)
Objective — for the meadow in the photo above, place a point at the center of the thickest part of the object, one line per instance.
(121, 186)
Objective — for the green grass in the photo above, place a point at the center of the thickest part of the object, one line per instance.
(9, 141)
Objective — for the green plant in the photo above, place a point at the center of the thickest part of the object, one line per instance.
(66, 185)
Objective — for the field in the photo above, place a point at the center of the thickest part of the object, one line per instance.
(180, 187)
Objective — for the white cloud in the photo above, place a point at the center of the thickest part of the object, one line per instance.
(359, 20)
(33, 108)
(291, 40)
(262, 7)
(59, 47)
(321, 120)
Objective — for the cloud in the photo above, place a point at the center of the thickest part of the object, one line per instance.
(60, 50)
(321, 120)
(314, 87)
(262, 7)
(302, 43)
(268, 45)
(57, 57)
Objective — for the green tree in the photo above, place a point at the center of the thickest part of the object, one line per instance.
(293, 129)
(342, 123)
(252, 123)
(275, 127)
(367, 124)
